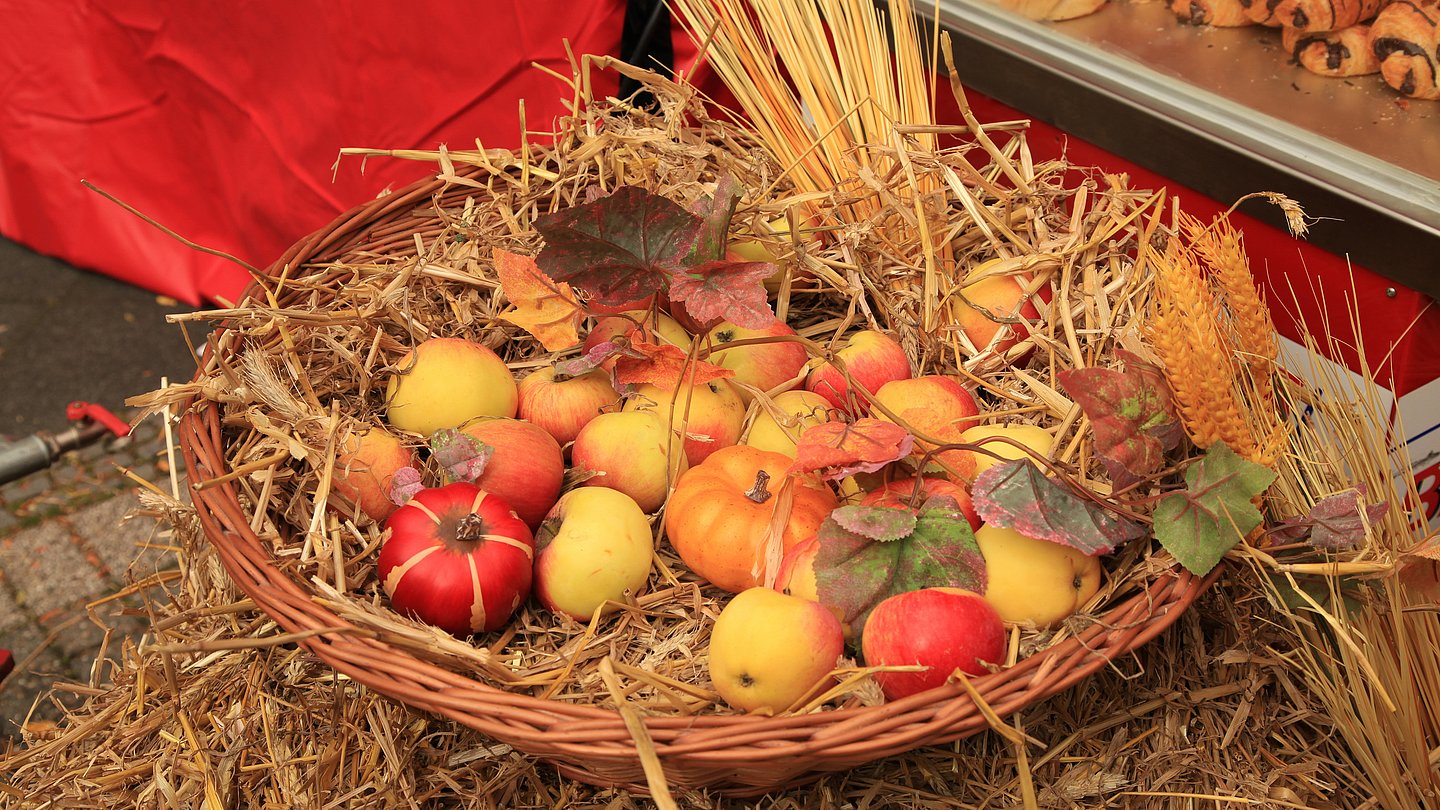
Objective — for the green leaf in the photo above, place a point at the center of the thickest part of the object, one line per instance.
(1214, 512)
(855, 573)
(1017, 495)
(715, 214)
(618, 248)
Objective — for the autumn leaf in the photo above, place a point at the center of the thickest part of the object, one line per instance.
(618, 248)
(596, 357)
(839, 449)
(855, 573)
(1128, 413)
(665, 366)
(715, 213)
(875, 522)
(406, 484)
(1336, 523)
(462, 456)
(1170, 433)
(725, 290)
(1214, 512)
(1017, 495)
(1419, 567)
(541, 306)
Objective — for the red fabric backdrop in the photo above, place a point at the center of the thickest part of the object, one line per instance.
(223, 121)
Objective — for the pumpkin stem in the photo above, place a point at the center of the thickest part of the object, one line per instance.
(470, 528)
(759, 493)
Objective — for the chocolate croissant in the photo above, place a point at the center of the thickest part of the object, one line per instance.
(1262, 12)
(1404, 39)
(1219, 13)
(1326, 15)
(1346, 52)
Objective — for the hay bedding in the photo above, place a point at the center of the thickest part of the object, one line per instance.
(218, 706)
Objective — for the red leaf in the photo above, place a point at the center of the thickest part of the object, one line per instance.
(725, 290)
(461, 455)
(880, 523)
(1336, 522)
(715, 214)
(1127, 411)
(598, 354)
(618, 248)
(405, 484)
(839, 449)
(666, 366)
(1016, 495)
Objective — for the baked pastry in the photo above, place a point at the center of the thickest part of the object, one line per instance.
(1346, 52)
(1326, 15)
(1404, 39)
(1053, 9)
(1219, 13)
(1262, 12)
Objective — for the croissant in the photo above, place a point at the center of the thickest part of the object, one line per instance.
(1346, 52)
(1219, 13)
(1404, 40)
(1326, 15)
(1261, 12)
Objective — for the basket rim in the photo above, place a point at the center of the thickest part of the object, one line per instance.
(595, 744)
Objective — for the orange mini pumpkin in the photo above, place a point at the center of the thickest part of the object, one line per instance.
(719, 516)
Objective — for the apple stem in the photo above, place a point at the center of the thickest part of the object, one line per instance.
(759, 493)
(470, 528)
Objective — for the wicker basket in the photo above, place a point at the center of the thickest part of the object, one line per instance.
(734, 754)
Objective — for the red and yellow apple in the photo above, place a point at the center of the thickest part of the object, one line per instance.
(446, 382)
(770, 651)
(1003, 298)
(762, 366)
(526, 469)
(898, 494)
(640, 324)
(936, 406)
(592, 549)
(365, 468)
(872, 359)
(798, 410)
(797, 578)
(562, 404)
(630, 452)
(1035, 581)
(710, 414)
(941, 629)
(1033, 437)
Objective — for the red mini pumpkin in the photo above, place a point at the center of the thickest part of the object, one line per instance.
(457, 557)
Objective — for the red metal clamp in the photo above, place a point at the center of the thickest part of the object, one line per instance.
(79, 411)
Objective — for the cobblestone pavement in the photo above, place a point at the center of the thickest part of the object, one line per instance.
(68, 539)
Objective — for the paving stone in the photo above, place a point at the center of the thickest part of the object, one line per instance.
(22, 686)
(117, 541)
(47, 570)
(11, 615)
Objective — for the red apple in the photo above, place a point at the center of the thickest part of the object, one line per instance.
(526, 468)
(563, 405)
(711, 414)
(365, 467)
(1003, 297)
(642, 324)
(872, 358)
(944, 629)
(761, 365)
(897, 494)
(937, 406)
(457, 557)
(796, 577)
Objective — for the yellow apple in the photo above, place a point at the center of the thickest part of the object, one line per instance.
(711, 414)
(564, 405)
(1034, 437)
(769, 650)
(594, 547)
(761, 365)
(630, 452)
(446, 382)
(799, 409)
(365, 468)
(1032, 580)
